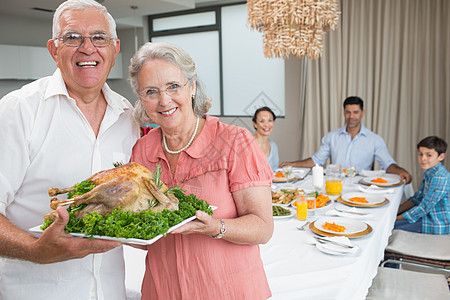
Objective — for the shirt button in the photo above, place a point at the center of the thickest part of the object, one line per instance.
(179, 163)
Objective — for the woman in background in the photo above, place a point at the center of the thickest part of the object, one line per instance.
(263, 121)
(212, 257)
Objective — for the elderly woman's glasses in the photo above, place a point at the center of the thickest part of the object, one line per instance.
(153, 94)
(76, 39)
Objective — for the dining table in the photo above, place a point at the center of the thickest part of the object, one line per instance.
(295, 266)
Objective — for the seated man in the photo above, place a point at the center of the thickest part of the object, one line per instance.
(353, 145)
(428, 210)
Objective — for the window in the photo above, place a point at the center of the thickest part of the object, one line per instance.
(229, 58)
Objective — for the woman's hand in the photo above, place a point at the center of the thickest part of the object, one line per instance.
(254, 224)
(204, 224)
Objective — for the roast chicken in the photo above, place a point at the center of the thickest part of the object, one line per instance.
(131, 186)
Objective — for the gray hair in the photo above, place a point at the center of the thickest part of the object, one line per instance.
(80, 5)
(177, 57)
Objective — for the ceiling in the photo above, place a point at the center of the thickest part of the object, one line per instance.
(43, 9)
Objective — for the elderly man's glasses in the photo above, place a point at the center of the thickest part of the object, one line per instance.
(76, 39)
(153, 94)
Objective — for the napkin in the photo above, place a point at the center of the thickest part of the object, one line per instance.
(333, 249)
(333, 212)
(373, 189)
(369, 173)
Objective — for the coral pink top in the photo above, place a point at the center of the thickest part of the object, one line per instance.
(222, 159)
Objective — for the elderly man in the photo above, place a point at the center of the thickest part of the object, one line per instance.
(353, 145)
(57, 131)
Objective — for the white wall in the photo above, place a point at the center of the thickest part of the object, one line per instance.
(36, 33)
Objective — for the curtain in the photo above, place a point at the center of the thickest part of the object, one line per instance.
(394, 54)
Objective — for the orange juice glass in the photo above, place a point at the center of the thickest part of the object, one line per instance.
(302, 208)
(311, 201)
(333, 186)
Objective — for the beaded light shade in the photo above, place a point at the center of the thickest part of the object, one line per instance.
(293, 26)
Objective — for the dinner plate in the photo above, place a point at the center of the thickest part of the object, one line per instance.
(350, 236)
(292, 213)
(351, 226)
(332, 249)
(38, 230)
(366, 205)
(371, 198)
(284, 179)
(297, 174)
(391, 181)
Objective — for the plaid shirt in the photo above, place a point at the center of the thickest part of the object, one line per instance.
(432, 202)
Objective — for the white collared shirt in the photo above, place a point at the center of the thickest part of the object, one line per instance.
(46, 141)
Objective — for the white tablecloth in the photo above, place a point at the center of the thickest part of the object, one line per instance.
(296, 270)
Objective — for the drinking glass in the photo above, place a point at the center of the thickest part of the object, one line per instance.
(302, 208)
(287, 171)
(311, 202)
(350, 173)
(333, 181)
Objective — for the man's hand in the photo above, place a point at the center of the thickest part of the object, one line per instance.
(395, 169)
(286, 163)
(56, 245)
(306, 163)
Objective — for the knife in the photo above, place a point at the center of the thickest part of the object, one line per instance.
(333, 242)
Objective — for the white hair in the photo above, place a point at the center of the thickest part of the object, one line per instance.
(80, 5)
(180, 59)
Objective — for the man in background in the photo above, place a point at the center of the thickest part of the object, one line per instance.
(55, 132)
(353, 145)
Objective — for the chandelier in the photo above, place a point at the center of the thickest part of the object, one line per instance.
(293, 26)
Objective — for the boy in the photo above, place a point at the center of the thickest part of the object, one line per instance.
(428, 210)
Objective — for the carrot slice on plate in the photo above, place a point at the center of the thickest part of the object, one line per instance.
(334, 227)
(379, 180)
(359, 199)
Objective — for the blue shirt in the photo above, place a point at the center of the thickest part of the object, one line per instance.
(432, 202)
(359, 152)
(273, 159)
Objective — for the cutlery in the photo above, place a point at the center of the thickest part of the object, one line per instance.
(375, 190)
(324, 241)
(303, 226)
(351, 211)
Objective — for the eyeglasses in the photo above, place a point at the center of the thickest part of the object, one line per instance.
(76, 39)
(153, 94)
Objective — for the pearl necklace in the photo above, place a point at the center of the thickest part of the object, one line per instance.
(185, 147)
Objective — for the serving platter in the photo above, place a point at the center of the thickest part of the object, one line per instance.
(355, 232)
(390, 181)
(37, 229)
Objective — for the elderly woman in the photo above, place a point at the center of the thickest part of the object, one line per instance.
(213, 257)
(263, 121)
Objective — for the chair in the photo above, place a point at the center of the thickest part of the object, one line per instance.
(426, 251)
(395, 284)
